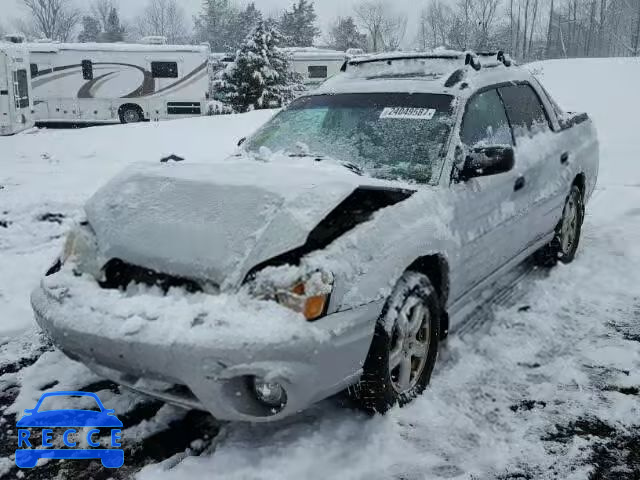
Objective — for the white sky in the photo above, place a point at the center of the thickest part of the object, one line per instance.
(327, 9)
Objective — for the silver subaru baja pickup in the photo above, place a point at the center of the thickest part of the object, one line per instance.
(335, 250)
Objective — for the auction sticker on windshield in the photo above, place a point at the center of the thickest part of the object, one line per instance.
(408, 113)
(88, 432)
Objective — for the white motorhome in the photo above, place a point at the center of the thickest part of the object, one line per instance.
(316, 64)
(16, 106)
(117, 82)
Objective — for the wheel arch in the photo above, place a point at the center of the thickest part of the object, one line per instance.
(581, 182)
(436, 268)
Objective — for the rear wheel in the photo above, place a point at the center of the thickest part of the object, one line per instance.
(565, 244)
(404, 347)
(131, 114)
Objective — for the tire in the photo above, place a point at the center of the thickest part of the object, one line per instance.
(131, 114)
(564, 245)
(384, 383)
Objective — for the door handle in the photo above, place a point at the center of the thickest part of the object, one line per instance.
(520, 183)
(564, 158)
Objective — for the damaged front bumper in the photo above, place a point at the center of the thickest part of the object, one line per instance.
(202, 351)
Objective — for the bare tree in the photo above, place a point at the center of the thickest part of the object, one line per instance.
(547, 49)
(533, 25)
(101, 9)
(394, 30)
(484, 12)
(436, 19)
(635, 37)
(386, 30)
(53, 19)
(424, 31)
(164, 18)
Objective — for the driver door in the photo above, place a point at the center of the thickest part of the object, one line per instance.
(486, 209)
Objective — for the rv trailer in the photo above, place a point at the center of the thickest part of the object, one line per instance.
(16, 107)
(117, 82)
(316, 64)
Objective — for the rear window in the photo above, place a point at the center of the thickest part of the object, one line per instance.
(164, 69)
(524, 108)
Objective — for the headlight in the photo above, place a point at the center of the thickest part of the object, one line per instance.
(309, 296)
(81, 246)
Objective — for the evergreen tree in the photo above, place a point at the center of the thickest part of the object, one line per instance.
(299, 25)
(90, 30)
(260, 76)
(215, 23)
(114, 32)
(345, 35)
(243, 24)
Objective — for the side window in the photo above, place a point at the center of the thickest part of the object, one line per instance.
(485, 121)
(524, 108)
(318, 71)
(34, 70)
(164, 69)
(87, 70)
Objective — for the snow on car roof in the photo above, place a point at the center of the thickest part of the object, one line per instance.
(113, 47)
(420, 72)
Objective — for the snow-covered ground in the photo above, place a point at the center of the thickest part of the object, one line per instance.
(544, 383)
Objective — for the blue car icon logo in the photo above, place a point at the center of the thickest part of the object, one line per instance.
(68, 422)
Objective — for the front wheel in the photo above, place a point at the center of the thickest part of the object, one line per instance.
(404, 347)
(564, 245)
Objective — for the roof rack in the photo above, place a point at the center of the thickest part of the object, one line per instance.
(470, 58)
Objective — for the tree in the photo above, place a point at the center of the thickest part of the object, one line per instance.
(298, 26)
(484, 12)
(114, 32)
(344, 35)
(385, 29)
(260, 76)
(100, 9)
(243, 24)
(164, 18)
(214, 24)
(635, 36)
(90, 29)
(435, 24)
(53, 19)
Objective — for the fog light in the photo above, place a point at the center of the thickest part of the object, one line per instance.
(270, 394)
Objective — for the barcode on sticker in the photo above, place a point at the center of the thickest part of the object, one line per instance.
(408, 113)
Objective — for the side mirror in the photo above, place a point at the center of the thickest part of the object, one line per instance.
(487, 161)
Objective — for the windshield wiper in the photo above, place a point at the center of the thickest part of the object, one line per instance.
(321, 158)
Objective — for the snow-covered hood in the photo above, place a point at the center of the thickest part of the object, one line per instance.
(215, 221)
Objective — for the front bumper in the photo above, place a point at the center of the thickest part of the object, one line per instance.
(199, 351)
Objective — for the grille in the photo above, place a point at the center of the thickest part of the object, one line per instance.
(118, 275)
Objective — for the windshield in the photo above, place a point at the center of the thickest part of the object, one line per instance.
(388, 135)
